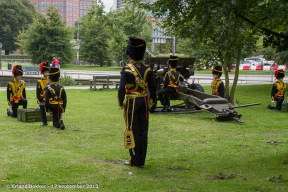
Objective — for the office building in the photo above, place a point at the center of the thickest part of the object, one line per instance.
(70, 10)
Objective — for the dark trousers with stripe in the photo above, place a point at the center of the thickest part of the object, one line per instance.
(43, 113)
(56, 112)
(164, 93)
(139, 118)
(279, 101)
(15, 106)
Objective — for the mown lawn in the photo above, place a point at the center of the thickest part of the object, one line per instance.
(185, 153)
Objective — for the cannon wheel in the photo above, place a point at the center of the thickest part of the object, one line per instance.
(196, 87)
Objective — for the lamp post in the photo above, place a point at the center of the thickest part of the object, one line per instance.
(77, 47)
(0, 55)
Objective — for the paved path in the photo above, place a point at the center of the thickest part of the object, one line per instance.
(203, 79)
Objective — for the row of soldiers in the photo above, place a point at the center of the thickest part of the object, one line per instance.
(277, 91)
(51, 96)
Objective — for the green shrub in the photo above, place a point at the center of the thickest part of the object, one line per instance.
(67, 80)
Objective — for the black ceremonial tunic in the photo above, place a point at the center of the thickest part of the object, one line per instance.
(55, 101)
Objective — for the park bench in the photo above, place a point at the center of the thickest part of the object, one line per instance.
(104, 81)
(31, 70)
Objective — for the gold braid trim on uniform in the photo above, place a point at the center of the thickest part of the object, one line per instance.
(173, 82)
(129, 128)
(217, 71)
(140, 82)
(129, 85)
(215, 85)
(137, 45)
(54, 73)
(42, 85)
(55, 99)
(280, 88)
(17, 93)
(145, 73)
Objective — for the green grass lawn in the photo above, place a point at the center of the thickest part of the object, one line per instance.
(185, 152)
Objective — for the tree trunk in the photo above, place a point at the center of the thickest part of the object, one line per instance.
(236, 75)
(224, 68)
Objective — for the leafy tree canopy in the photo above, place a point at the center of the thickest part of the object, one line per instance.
(14, 16)
(104, 36)
(47, 38)
(229, 29)
(94, 35)
(125, 23)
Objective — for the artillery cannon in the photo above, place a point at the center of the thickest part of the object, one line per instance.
(193, 96)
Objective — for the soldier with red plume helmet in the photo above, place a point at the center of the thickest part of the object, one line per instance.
(278, 89)
(40, 90)
(16, 94)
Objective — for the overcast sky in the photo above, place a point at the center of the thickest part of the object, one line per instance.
(108, 4)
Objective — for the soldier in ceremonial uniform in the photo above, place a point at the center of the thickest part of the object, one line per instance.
(16, 94)
(278, 89)
(55, 98)
(217, 85)
(40, 90)
(137, 80)
(171, 82)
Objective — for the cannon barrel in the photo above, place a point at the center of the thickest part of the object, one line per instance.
(246, 105)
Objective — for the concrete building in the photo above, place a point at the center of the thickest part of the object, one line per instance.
(70, 10)
(118, 4)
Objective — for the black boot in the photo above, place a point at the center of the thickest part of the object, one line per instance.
(164, 108)
(9, 112)
(61, 124)
(169, 108)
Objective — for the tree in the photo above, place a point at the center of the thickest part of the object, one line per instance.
(125, 23)
(230, 26)
(47, 38)
(14, 16)
(95, 34)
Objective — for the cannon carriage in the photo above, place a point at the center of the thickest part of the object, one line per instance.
(192, 95)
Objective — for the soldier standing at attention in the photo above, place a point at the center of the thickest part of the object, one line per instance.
(16, 94)
(278, 88)
(55, 98)
(171, 82)
(217, 85)
(40, 90)
(135, 82)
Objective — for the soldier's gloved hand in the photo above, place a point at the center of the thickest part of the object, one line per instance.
(121, 107)
(62, 114)
(9, 108)
(272, 99)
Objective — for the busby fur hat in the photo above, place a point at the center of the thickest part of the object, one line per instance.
(173, 61)
(279, 74)
(54, 74)
(136, 48)
(217, 70)
(17, 70)
(44, 67)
